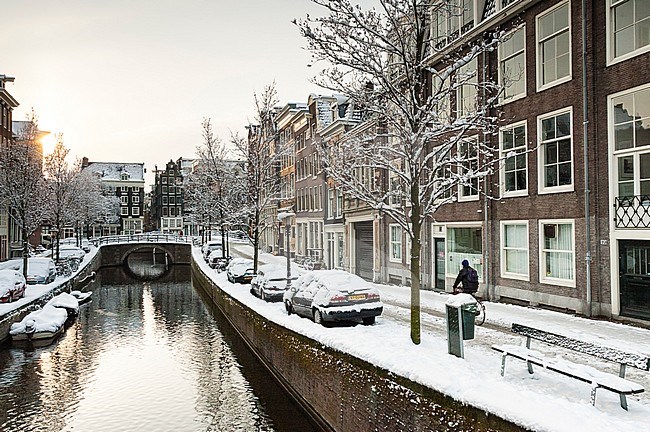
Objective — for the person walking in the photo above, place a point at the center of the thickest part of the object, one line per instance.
(467, 279)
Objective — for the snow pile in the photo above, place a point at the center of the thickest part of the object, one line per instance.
(65, 301)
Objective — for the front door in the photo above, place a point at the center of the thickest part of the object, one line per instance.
(439, 264)
(635, 279)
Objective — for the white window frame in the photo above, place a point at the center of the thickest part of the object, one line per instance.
(524, 76)
(503, 249)
(611, 58)
(124, 199)
(124, 211)
(474, 144)
(541, 157)
(392, 256)
(503, 156)
(135, 199)
(542, 254)
(339, 203)
(540, 84)
(135, 211)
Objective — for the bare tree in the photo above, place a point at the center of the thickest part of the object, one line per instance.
(59, 180)
(214, 190)
(22, 181)
(415, 148)
(263, 154)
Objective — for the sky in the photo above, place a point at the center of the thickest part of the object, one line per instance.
(132, 80)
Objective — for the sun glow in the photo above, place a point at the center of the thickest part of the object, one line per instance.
(49, 142)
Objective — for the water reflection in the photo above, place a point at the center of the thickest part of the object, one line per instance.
(142, 356)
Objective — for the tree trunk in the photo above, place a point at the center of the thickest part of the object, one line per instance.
(416, 226)
(25, 251)
(256, 240)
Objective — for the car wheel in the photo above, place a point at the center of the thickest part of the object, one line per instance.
(368, 320)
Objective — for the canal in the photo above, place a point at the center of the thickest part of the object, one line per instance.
(143, 356)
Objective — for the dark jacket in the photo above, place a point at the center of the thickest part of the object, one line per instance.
(462, 279)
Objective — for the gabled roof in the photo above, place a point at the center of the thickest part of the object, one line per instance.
(114, 170)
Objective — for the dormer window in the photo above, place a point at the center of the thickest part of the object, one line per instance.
(124, 176)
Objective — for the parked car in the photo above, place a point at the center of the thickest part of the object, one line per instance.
(66, 251)
(270, 282)
(334, 295)
(240, 270)
(40, 270)
(209, 246)
(12, 285)
(216, 260)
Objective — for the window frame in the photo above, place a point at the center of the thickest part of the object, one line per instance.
(393, 242)
(503, 153)
(461, 166)
(505, 100)
(541, 156)
(503, 249)
(610, 41)
(541, 86)
(467, 85)
(543, 279)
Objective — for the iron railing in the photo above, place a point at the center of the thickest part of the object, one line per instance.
(632, 211)
(142, 238)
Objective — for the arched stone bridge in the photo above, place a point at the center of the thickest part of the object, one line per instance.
(115, 251)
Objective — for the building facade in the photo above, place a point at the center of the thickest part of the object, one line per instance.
(167, 199)
(126, 181)
(7, 104)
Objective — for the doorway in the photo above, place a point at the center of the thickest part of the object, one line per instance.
(634, 269)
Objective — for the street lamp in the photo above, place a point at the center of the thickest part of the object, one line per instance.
(286, 217)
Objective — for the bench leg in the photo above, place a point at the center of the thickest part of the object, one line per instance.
(529, 364)
(623, 402)
(593, 394)
(503, 363)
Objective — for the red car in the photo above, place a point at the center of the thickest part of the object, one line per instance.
(12, 285)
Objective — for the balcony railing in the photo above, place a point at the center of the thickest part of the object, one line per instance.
(632, 211)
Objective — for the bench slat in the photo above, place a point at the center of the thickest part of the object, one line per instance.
(630, 359)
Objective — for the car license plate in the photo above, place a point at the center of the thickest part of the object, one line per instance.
(357, 297)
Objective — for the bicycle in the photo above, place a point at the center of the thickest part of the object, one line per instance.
(308, 263)
(479, 314)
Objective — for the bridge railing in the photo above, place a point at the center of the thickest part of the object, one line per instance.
(141, 238)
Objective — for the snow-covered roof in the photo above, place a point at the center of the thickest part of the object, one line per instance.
(114, 170)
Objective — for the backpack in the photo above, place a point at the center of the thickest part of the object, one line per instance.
(472, 279)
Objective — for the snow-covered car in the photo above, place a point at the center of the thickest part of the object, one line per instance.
(12, 285)
(67, 251)
(333, 295)
(40, 270)
(210, 246)
(240, 270)
(216, 260)
(270, 282)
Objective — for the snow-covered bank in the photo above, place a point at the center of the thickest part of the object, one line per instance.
(543, 401)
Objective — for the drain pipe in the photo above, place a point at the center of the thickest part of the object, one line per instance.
(585, 129)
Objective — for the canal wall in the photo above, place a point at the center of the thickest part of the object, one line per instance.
(341, 392)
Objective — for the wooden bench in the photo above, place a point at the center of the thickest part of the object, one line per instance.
(597, 379)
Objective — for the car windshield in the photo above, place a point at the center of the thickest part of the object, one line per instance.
(40, 267)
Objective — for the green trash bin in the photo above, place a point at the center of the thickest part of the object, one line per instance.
(468, 312)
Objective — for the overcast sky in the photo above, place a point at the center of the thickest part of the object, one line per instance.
(131, 80)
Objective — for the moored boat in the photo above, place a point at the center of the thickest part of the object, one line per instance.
(42, 324)
(67, 302)
(82, 297)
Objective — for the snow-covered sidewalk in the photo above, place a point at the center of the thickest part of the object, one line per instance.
(543, 401)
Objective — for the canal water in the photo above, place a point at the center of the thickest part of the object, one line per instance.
(143, 356)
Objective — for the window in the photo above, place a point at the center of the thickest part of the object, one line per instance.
(467, 80)
(448, 18)
(468, 153)
(164, 200)
(135, 211)
(553, 47)
(514, 250)
(556, 152)
(395, 243)
(164, 180)
(464, 243)
(512, 65)
(124, 199)
(331, 199)
(630, 114)
(557, 263)
(514, 175)
(164, 190)
(124, 176)
(135, 199)
(125, 211)
(339, 203)
(135, 189)
(629, 27)
(440, 91)
(340, 250)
